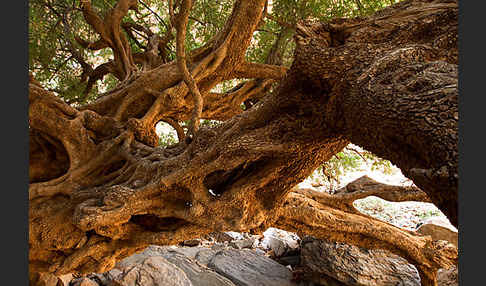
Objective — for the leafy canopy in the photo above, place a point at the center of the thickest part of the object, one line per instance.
(54, 25)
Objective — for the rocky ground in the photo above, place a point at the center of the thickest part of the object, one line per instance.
(276, 258)
(281, 258)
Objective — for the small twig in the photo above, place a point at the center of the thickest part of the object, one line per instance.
(136, 31)
(360, 6)
(280, 22)
(266, 31)
(155, 14)
(357, 152)
(265, 10)
(199, 21)
(130, 34)
(59, 67)
(87, 68)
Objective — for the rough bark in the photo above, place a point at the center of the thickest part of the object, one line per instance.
(333, 217)
(101, 190)
(391, 81)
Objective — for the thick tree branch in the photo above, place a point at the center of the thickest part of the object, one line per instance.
(126, 176)
(180, 131)
(325, 219)
(257, 70)
(364, 187)
(182, 19)
(425, 85)
(49, 114)
(109, 30)
(217, 57)
(223, 106)
(98, 45)
(94, 20)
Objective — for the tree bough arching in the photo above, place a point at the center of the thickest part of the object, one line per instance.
(101, 189)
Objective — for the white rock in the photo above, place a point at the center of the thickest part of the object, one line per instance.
(279, 241)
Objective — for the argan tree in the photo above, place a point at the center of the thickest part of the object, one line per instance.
(290, 83)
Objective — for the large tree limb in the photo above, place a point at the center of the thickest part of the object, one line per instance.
(223, 106)
(238, 175)
(178, 128)
(97, 45)
(50, 115)
(325, 219)
(256, 70)
(168, 75)
(360, 86)
(109, 30)
(364, 187)
(123, 208)
(182, 19)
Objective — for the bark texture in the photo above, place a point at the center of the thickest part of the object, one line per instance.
(391, 81)
(100, 189)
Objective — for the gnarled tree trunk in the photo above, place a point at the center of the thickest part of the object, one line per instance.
(101, 190)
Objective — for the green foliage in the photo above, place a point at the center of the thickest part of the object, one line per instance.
(52, 63)
(50, 60)
(167, 139)
(168, 135)
(209, 123)
(206, 19)
(351, 159)
(339, 164)
(429, 213)
(377, 163)
(292, 11)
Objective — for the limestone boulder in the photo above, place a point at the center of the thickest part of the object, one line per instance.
(355, 266)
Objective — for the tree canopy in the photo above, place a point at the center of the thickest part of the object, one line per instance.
(61, 60)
